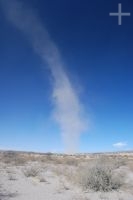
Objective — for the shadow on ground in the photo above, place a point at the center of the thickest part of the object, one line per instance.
(7, 195)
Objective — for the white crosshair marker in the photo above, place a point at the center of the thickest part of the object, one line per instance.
(120, 14)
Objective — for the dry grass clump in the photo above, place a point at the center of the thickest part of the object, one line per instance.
(11, 177)
(31, 171)
(100, 176)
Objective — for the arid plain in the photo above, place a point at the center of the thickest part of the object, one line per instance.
(36, 176)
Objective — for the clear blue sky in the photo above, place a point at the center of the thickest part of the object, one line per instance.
(98, 56)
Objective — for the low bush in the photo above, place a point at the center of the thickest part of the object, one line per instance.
(31, 171)
(100, 176)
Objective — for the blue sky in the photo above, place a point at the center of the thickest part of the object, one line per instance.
(97, 57)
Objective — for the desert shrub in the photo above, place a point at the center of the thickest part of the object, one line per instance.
(119, 161)
(113, 162)
(100, 177)
(20, 161)
(70, 161)
(31, 171)
(49, 156)
(8, 157)
(65, 160)
(13, 158)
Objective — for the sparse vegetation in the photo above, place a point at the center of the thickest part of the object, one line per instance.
(14, 158)
(100, 176)
(100, 173)
(31, 171)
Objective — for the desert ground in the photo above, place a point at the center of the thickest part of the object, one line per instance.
(25, 176)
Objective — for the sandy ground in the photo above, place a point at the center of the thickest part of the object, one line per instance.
(48, 185)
